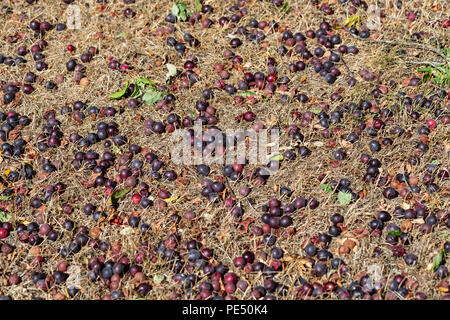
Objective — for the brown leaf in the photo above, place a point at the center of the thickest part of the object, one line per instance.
(361, 233)
(181, 181)
(360, 275)
(411, 284)
(349, 243)
(406, 225)
(14, 134)
(42, 175)
(35, 251)
(94, 232)
(304, 265)
(436, 7)
(343, 250)
(100, 8)
(405, 82)
(246, 223)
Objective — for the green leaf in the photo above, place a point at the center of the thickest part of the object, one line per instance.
(317, 111)
(114, 200)
(180, 10)
(438, 75)
(344, 197)
(158, 278)
(198, 6)
(245, 94)
(139, 85)
(352, 20)
(5, 198)
(396, 233)
(446, 52)
(426, 77)
(172, 71)
(4, 216)
(318, 144)
(175, 10)
(183, 11)
(438, 260)
(183, 16)
(277, 158)
(426, 69)
(326, 187)
(120, 193)
(121, 35)
(145, 81)
(435, 162)
(152, 96)
(285, 8)
(137, 91)
(119, 94)
(116, 149)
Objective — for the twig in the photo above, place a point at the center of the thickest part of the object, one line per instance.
(346, 66)
(229, 187)
(430, 63)
(395, 42)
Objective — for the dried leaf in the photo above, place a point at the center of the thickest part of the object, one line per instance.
(246, 223)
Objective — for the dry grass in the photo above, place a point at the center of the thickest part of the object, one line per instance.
(214, 227)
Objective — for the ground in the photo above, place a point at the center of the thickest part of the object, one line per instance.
(410, 36)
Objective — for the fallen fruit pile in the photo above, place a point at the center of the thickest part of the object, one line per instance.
(354, 204)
